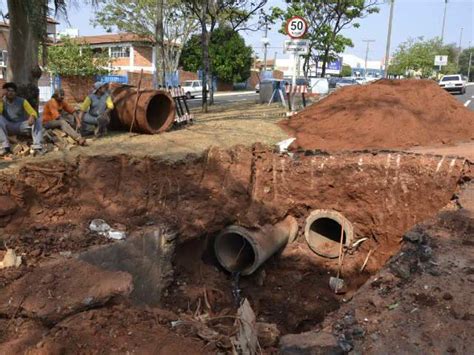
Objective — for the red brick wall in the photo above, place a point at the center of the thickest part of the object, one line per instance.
(187, 75)
(147, 80)
(76, 88)
(143, 56)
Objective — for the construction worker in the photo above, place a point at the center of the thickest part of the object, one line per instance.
(18, 117)
(56, 114)
(95, 111)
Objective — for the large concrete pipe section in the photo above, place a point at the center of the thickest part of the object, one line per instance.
(323, 232)
(243, 250)
(155, 110)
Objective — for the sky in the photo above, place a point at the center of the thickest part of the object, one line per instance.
(412, 18)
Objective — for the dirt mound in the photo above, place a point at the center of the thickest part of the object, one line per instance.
(385, 114)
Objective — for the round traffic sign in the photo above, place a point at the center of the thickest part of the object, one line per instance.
(296, 27)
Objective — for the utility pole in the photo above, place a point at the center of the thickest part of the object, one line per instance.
(389, 37)
(368, 41)
(460, 45)
(265, 44)
(444, 20)
(469, 65)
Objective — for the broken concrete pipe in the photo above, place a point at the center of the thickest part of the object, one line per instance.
(155, 109)
(243, 250)
(323, 232)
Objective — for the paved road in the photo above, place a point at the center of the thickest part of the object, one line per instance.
(226, 99)
(468, 98)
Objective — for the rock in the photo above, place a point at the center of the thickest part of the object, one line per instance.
(425, 253)
(358, 332)
(267, 334)
(7, 206)
(58, 289)
(10, 260)
(414, 236)
(310, 343)
(35, 253)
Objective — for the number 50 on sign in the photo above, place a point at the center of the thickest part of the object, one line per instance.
(296, 27)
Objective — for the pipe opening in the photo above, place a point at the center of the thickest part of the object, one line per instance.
(328, 229)
(323, 232)
(158, 111)
(234, 252)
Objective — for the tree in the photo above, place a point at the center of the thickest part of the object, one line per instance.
(167, 22)
(73, 58)
(230, 58)
(346, 70)
(417, 56)
(209, 13)
(467, 54)
(27, 20)
(326, 19)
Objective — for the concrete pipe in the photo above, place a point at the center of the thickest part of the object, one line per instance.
(242, 250)
(155, 111)
(323, 232)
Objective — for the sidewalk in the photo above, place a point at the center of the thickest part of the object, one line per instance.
(234, 93)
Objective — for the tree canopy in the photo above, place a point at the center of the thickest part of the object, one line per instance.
(73, 58)
(230, 58)
(417, 55)
(326, 20)
(464, 63)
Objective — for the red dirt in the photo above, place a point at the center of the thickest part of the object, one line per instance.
(385, 114)
(383, 194)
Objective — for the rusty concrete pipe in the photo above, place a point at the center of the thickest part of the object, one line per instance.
(239, 249)
(155, 111)
(323, 232)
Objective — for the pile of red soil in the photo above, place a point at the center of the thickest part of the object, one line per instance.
(385, 114)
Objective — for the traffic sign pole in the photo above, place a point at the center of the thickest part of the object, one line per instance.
(296, 28)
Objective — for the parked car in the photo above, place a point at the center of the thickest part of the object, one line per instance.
(192, 88)
(346, 82)
(332, 81)
(453, 83)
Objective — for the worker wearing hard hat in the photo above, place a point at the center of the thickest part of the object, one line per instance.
(95, 111)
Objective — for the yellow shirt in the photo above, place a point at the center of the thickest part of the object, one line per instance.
(87, 104)
(26, 106)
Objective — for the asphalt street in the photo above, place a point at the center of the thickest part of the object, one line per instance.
(227, 98)
(468, 98)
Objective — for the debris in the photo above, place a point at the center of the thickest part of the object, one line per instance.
(366, 260)
(267, 334)
(10, 260)
(358, 241)
(414, 236)
(102, 228)
(117, 235)
(337, 285)
(393, 306)
(245, 342)
(99, 226)
(283, 145)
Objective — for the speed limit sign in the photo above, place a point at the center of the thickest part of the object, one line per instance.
(296, 27)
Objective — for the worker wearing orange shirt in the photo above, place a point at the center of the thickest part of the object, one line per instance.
(55, 113)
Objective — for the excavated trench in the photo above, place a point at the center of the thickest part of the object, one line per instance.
(371, 198)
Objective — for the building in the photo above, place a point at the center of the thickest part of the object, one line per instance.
(374, 67)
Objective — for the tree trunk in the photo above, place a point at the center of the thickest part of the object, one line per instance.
(325, 61)
(159, 46)
(27, 19)
(205, 39)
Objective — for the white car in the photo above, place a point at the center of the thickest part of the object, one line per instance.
(452, 83)
(192, 88)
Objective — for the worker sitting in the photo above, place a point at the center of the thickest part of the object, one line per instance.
(18, 117)
(57, 114)
(95, 111)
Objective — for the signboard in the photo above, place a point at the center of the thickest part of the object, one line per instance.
(441, 60)
(296, 46)
(337, 65)
(296, 27)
